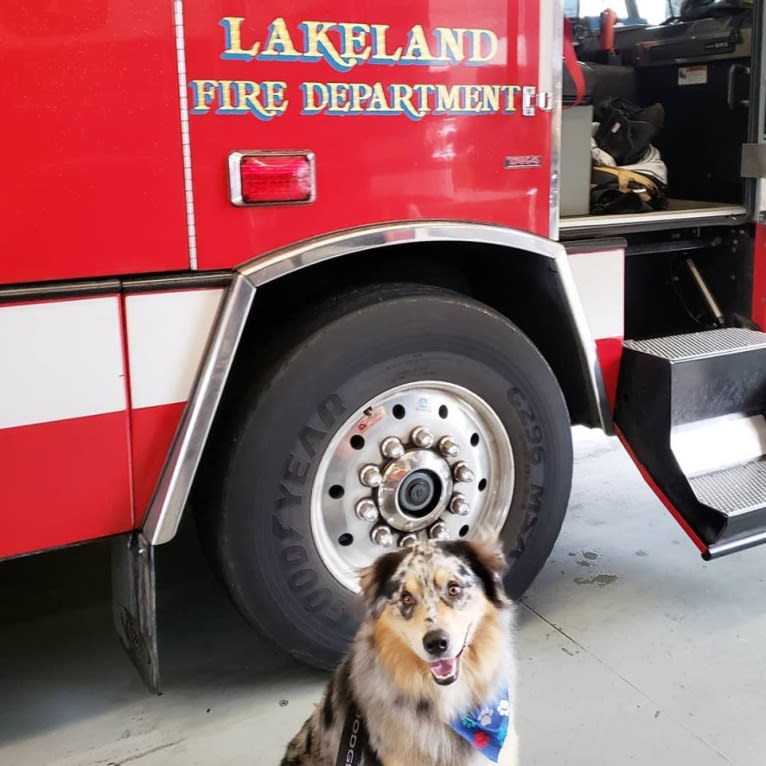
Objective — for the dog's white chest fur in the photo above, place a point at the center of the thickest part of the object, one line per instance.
(416, 732)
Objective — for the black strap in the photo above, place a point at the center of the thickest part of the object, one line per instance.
(354, 742)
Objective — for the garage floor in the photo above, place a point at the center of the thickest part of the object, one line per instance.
(632, 650)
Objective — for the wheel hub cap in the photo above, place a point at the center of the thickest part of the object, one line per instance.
(415, 490)
(423, 460)
(416, 493)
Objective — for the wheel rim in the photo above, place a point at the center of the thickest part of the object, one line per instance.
(422, 460)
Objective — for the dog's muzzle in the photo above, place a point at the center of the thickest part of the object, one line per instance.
(443, 669)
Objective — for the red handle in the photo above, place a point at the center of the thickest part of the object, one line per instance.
(572, 64)
(608, 21)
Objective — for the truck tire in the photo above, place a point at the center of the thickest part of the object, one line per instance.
(390, 411)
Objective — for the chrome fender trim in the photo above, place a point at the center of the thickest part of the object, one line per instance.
(173, 487)
(172, 490)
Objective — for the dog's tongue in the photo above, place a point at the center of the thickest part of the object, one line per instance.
(443, 668)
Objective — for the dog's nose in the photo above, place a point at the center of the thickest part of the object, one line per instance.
(436, 641)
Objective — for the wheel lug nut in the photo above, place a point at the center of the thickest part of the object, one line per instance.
(392, 447)
(408, 540)
(366, 509)
(439, 531)
(370, 476)
(462, 472)
(383, 536)
(449, 447)
(459, 505)
(422, 437)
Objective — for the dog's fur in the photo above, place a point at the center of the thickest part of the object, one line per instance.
(386, 672)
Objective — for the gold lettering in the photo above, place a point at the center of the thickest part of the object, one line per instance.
(279, 44)
(451, 44)
(204, 93)
(319, 46)
(378, 102)
(315, 97)
(477, 57)
(401, 101)
(417, 46)
(232, 30)
(224, 96)
(510, 92)
(276, 103)
(248, 97)
(353, 36)
(360, 93)
(447, 99)
(422, 91)
(338, 96)
(379, 54)
(473, 95)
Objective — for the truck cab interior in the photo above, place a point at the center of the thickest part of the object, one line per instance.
(694, 58)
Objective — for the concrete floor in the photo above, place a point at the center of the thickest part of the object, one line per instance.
(631, 649)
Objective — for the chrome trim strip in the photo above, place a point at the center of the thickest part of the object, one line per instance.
(191, 226)
(557, 46)
(587, 344)
(294, 257)
(289, 259)
(190, 280)
(717, 550)
(235, 177)
(676, 217)
(48, 291)
(173, 488)
(169, 499)
(578, 246)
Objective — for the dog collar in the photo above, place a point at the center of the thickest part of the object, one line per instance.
(486, 726)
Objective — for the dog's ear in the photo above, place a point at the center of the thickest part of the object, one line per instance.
(489, 551)
(484, 555)
(378, 580)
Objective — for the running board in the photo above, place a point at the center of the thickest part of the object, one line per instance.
(690, 409)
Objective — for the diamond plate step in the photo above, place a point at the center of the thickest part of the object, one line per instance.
(733, 491)
(692, 409)
(699, 345)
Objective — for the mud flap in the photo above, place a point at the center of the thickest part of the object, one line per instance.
(134, 604)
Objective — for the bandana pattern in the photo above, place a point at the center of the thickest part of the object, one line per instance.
(486, 727)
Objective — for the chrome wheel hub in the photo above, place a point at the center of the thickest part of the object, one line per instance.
(416, 489)
(425, 460)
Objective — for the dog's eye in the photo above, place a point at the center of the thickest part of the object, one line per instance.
(408, 599)
(454, 589)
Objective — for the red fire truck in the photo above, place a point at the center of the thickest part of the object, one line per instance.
(326, 275)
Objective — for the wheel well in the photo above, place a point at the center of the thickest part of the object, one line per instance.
(522, 286)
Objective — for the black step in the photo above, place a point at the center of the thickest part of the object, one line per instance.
(691, 407)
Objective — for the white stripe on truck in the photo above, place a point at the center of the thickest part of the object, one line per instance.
(60, 360)
(600, 280)
(167, 334)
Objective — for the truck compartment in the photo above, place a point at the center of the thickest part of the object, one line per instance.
(699, 71)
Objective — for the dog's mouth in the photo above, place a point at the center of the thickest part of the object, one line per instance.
(445, 672)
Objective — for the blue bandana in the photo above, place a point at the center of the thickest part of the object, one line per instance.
(486, 726)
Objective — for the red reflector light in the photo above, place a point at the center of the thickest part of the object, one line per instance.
(272, 178)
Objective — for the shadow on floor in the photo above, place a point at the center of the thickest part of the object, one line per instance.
(62, 660)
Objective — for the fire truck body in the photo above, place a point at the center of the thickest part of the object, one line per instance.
(102, 89)
(213, 220)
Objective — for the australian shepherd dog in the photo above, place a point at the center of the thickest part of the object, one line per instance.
(429, 677)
